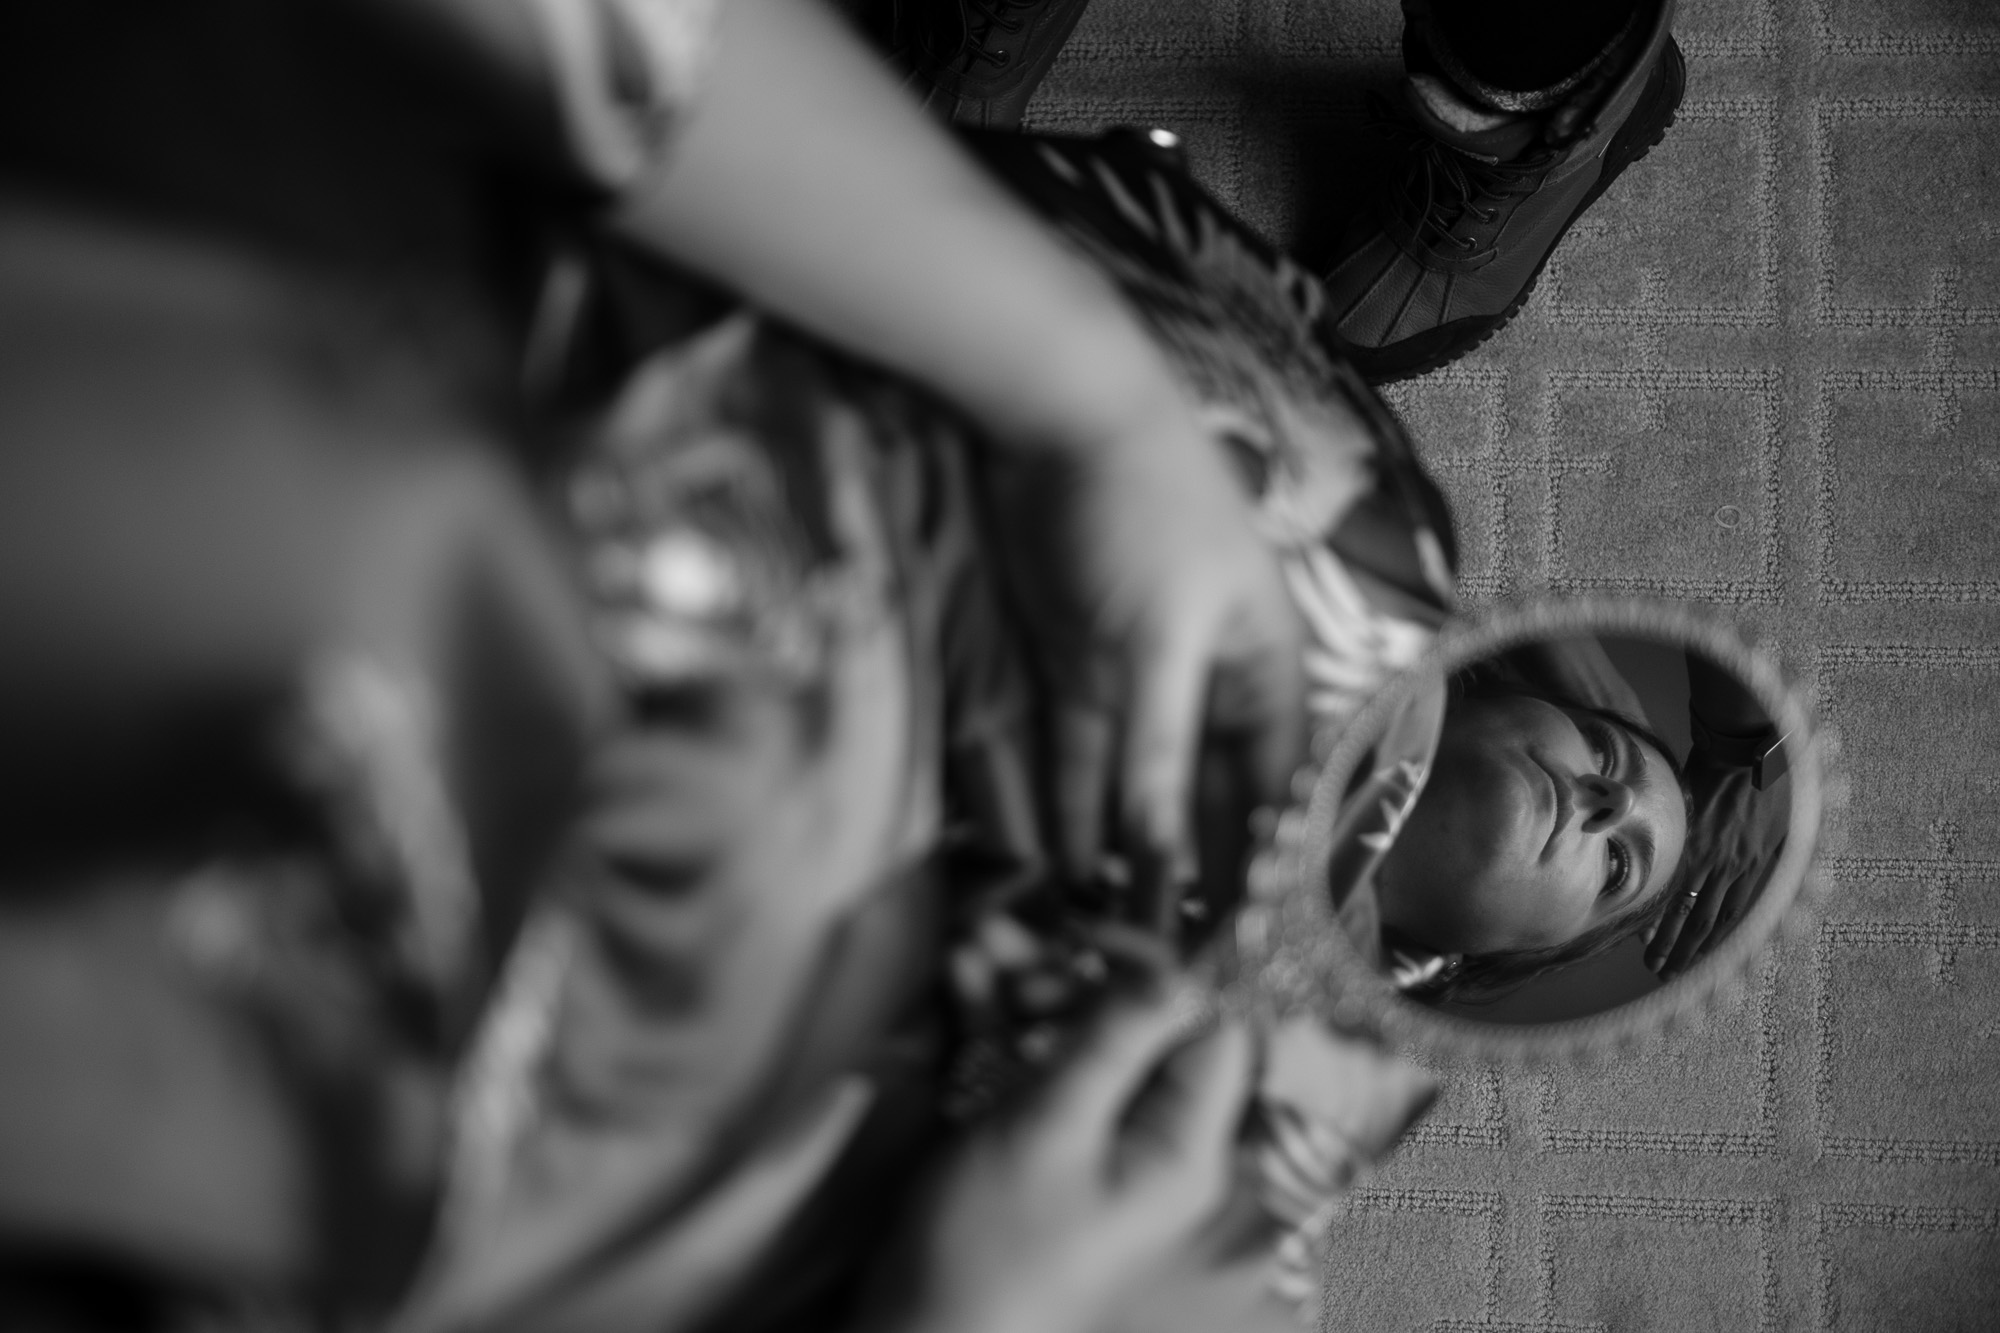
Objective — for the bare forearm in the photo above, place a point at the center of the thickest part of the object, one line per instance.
(809, 182)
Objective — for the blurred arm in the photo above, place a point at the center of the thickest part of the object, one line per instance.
(806, 180)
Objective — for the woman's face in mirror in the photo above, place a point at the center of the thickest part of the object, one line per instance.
(1539, 823)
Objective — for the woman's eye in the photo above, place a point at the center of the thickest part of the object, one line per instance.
(1601, 749)
(1621, 866)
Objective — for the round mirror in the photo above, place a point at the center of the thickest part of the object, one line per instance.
(1569, 823)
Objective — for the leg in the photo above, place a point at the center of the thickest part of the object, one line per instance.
(1527, 44)
(1518, 116)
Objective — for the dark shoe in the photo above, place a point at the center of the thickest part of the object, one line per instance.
(977, 62)
(1452, 252)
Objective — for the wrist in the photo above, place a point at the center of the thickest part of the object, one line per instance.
(1093, 393)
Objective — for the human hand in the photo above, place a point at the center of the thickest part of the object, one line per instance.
(1329, 1108)
(1159, 615)
(1042, 1220)
(1728, 854)
(1206, 1293)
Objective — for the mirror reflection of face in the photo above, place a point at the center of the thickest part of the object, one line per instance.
(1539, 823)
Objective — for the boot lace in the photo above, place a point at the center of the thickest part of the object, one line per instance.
(1444, 189)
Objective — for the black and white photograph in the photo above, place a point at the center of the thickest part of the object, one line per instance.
(999, 666)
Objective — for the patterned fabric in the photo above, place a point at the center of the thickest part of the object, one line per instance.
(721, 1045)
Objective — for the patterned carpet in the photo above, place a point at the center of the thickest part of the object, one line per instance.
(1765, 374)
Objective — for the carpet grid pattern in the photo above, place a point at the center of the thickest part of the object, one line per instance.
(1763, 374)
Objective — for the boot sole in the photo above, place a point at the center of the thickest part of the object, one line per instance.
(1448, 342)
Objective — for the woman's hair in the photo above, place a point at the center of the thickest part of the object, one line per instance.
(1484, 978)
(1493, 976)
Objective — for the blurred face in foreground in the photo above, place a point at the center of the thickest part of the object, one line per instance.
(1538, 823)
(223, 1085)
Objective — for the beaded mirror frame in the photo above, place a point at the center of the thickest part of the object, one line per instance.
(1289, 954)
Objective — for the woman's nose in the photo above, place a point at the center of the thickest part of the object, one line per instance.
(1603, 802)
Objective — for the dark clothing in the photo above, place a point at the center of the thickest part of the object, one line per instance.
(1530, 44)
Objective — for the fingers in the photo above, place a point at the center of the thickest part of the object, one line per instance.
(1195, 1104)
(1258, 700)
(1120, 1054)
(1667, 930)
(1691, 927)
(1187, 1120)
(1743, 893)
(1723, 900)
(1302, 1166)
(1273, 723)
(1084, 742)
(1667, 933)
(1695, 926)
(1276, 747)
(1163, 730)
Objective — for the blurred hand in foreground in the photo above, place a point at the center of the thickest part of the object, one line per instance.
(1043, 1219)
